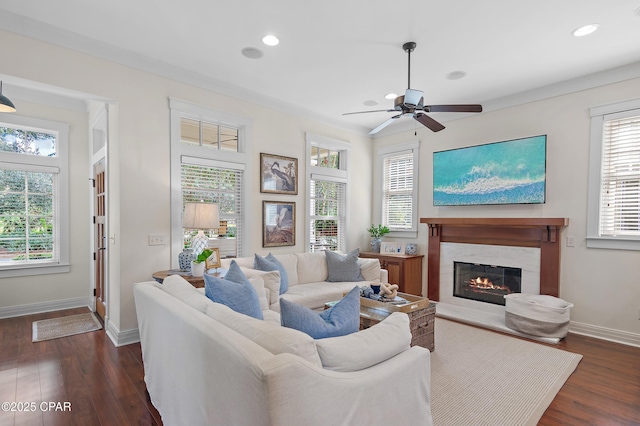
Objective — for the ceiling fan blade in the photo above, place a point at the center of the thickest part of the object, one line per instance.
(385, 124)
(429, 122)
(365, 112)
(453, 108)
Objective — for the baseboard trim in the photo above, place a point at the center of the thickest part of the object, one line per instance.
(37, 308)
(609, 334)
(122, 338)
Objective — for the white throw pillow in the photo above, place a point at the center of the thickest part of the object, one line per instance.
(365, 348)
(180, 288)
(370, 269)
(258, 284)
(271, 281)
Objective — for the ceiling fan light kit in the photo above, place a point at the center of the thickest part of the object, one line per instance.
(412, 103)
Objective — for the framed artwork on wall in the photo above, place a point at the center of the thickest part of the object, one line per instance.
(508, 172)
(278, 223)
(278, 174)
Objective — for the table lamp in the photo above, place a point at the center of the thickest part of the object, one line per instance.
(200, 216)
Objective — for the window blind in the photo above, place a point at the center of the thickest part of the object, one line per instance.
(620, 191)
(218, 185)
(397, 197)
(327, 219)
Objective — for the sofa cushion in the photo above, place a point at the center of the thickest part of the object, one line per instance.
(270, 263)
(271, 336)
(312, 267)
(370, 269)
(365, 348)
(182, 290)
(271, 281)
(341, 319)
(235, 291)
(343, 268)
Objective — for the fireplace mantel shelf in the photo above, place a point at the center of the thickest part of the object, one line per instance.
(518, 232)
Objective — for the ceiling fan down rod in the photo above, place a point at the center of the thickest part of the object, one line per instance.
(409, 47)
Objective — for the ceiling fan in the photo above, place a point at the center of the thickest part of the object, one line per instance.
(412, 103)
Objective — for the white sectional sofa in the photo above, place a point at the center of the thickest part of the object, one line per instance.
(307, 273)
(206, 364)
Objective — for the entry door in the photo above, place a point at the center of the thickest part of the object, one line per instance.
(100, 237)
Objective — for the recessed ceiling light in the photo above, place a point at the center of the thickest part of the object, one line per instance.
(585, 30)
(252, 52)
(371, 103)
(456, 75)
(270, 40)
(390, 96)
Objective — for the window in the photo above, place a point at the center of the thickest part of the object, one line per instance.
(327, 193)
(33, 188)
(208, 164)
(614, 177)
(399, 188)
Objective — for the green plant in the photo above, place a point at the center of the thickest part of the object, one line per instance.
(203, 256)
(378, 231)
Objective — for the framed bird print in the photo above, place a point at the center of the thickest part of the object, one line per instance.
(278, 224)
(278, 174)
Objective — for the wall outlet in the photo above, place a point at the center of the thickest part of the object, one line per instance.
(571, 241)
(156, 239)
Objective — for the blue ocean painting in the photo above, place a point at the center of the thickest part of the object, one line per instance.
(509, 172)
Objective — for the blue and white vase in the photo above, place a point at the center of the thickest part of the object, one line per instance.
(411, 248)
(375, 245)
(184, 259)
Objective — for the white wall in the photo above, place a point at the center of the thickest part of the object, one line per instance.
(138, 164)
(602, 284)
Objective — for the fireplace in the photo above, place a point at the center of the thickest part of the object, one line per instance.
(485, 283)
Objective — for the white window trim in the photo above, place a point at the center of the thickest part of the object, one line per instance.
(61, 162)
(208, 157)
(323, 173)
(387, 151)
(594, 240)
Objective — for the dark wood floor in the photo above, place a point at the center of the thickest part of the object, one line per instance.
(105, 384)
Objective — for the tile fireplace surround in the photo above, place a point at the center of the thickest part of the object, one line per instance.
(540, 236)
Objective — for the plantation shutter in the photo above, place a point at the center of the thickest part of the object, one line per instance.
(620, 191)
(327, 219)
(397, 197)
(209, 181)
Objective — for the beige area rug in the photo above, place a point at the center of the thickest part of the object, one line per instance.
(479, 377)
(64, 326)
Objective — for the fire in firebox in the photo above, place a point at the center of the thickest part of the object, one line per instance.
(485, 283)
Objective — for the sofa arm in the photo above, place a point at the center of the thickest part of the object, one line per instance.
(300, 393)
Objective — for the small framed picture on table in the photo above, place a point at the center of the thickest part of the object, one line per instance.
(213, 261)
(392, 248)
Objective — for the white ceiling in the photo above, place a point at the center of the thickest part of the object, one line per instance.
(336, 54)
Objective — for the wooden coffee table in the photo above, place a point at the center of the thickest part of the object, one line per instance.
(421, 312)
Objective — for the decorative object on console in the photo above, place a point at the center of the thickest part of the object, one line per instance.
(392, 248)
(341, 319)
(509, 172)
(376, 233)
(279, 175)
(199, 263)
(278, 224)
(411, 248)
(234, 291)
(184, 259)
(200, 216)
(213, 261)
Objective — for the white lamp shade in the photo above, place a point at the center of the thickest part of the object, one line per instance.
(200, 216)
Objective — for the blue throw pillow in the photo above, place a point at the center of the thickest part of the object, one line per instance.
(235, 291)
(343, 268)
(341, 319)
(270, 263)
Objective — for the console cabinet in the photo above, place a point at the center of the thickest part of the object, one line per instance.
(404, 270)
